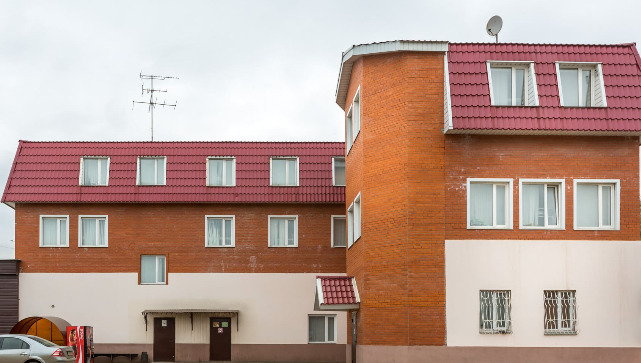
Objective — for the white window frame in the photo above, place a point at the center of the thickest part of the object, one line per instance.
(327, 341)
(509, 223)
(105, 217)
(233, 230)
(353, 121)
(530, 76)
(350, 226)
(269, 228)
(334, 171)
(233, 171)
(58, 217)
(156, 274)
(271, 170)
(507, 319)
(334, 217)
(616, 203)
(596, 78)
(358, 221)
(572, 330)
(82, 171)
(157, 158)
(560, 184)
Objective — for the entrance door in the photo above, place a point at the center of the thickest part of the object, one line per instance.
(164, 340)
(220, 339)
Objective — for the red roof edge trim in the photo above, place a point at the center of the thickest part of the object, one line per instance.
(633, 46)
(13, 168)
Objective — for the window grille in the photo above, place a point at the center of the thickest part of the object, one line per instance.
(560, 312)
(495, 315)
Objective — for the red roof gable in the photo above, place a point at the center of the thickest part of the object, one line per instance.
(470, 94)
(338, 290)
(49, 172)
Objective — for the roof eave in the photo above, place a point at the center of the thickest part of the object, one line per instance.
(357, 51)
(338, 307)
(456, 131)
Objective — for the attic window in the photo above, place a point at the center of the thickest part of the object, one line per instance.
(512, 84)
(581, 85)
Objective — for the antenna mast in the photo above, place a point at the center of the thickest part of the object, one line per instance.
(153, 101)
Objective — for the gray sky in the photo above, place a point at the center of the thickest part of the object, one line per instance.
(249, 70)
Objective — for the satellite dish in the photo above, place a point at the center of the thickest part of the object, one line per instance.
(494, 26)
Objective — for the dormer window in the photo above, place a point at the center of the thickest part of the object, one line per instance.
(512, 84)
(151, 170)
(580, 85)
(94, 170)
(284, 171)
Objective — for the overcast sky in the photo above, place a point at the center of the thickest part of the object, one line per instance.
(249, 70)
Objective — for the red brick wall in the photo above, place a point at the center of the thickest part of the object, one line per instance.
(545, 157)
(178, 231)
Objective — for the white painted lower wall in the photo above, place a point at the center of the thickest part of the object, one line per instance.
(605, 274)
(273, 308)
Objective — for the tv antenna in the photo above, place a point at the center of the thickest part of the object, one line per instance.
(153, 101)
(494, 26)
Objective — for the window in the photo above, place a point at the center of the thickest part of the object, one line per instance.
(54, 231)
(94, 170)
(542, 203)
(354, 221)
(221, 171)
(219, 231)
(496, 315)
(283, 231)
(153, 269)
(581, 84)
(9, 343)
(489, 203)
(338, 166)
(338, 231)
(322, 328)
(93, 231)
(596, 204)
(512, 84)
(151, 170)
(353, 120)
(284, 171)
(560, 312)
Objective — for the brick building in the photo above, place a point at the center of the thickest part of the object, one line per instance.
(492, 199)
(188, 251)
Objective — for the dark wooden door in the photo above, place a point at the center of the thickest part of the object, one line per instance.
(220, 339)
(164, 340)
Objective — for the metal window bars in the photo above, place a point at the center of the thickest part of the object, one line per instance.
(560, 312)
(495, 315)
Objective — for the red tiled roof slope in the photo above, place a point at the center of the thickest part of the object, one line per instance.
(338, 290)
(470, 93)
(49, 172)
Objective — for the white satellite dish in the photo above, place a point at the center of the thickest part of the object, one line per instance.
(494, 26)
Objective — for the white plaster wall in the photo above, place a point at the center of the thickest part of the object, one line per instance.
(274, 308)
(605, 274)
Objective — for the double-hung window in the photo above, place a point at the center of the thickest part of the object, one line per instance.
(495, 312)
(221, 171)
(94, 170)
(353, 120)
(489, 203)
(581, 84)
(338, 167)
(283, 231)
(512, 83)
(560, 312)
(338, 231)
(93, 231)
(54, 231)
(322, 328)
(151, 170)
(542, 203)
(596, 204)
(219, 231)
(284, 171)
(153, 270)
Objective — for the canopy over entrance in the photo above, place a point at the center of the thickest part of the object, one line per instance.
(50, 328)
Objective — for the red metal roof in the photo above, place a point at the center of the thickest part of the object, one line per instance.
(470, 93)
(49, 172)
(338, 290)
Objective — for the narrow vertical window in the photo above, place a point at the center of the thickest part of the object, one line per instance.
(338, 231)
(338, 164)
(357, 217)
(350, 225)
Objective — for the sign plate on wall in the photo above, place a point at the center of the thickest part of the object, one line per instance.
(164, 323)
(225, 324)
(220, 330)
(215, 324)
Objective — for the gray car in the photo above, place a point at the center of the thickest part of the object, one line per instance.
(18, 348)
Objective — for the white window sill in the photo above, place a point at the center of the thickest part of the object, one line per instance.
(232, 246)
(282, 246)
(339, 246)
(94, 185)
(488, 227)
(543, 228)
(66, 246)
(223, 186)
(284, 186)
(595, 229)
(322, 342)
(81, 246)
(151, 185)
